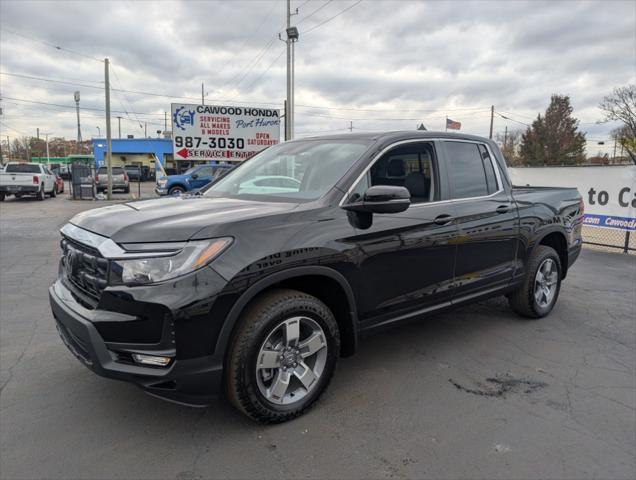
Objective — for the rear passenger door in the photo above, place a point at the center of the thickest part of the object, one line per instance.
(486, 217)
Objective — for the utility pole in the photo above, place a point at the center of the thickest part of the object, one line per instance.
(492, 118)
(37, 133)
(109, 156)
(505, 136)
(351, 126)
(145, 129)
(614, 157)
(165, 121)
(292, 37)
(119, 126)
(202, 95)
(48, 157)
(79, 130)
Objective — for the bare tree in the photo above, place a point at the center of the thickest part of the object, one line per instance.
(510, 146)
(621, 106)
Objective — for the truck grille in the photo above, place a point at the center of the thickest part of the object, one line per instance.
(85, 268)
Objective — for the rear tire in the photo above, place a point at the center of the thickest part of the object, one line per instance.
(54, 192)
(41, 195)
(2, 195)
(540, 290)
(276, 330)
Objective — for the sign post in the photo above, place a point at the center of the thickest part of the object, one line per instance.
(222, 133)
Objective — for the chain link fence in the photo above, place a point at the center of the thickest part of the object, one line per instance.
(609, 240)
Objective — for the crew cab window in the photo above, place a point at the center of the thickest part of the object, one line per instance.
(204, 172)
(409, 166)
(471, 172)
(22, 168)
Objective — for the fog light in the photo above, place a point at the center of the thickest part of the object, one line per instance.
(151, 359)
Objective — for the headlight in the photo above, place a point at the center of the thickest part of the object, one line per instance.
(162, 182)
(191, 257)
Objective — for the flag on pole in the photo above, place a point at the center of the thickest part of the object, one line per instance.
(453, 125)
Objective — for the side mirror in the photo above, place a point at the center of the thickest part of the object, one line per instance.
(195, 176)
(382, 199)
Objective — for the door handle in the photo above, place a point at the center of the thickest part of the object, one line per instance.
(503, 208)
(443, 219)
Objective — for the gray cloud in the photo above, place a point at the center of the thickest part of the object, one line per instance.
(401, 58)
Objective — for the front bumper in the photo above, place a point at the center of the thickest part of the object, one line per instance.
(192, 381)
(161, 190)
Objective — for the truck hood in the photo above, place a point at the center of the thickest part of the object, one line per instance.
(172, 219)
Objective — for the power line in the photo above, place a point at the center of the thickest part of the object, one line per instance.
(317, 107)
(11, 128)
(512, 119)
(314, 12)
(247, 39)
(52, 45)
(71, 106)
(266, 70)
(331, 18)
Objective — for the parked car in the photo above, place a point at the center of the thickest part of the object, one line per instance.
(133, 172)
(59, 184)
(119, 179)
(258, 294)
(21, 179)
(194, 178)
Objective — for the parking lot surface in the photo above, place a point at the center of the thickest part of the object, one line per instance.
(475, 393)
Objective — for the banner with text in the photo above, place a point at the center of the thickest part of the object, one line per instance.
(216, 133)
(609, 192)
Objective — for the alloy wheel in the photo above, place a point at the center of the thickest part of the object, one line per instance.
(291, 360)
(545, 283)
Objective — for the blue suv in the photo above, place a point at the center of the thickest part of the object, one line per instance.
(193, 179)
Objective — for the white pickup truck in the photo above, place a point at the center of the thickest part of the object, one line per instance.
(21, 179)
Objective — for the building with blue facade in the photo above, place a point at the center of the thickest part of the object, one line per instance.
(135, 151)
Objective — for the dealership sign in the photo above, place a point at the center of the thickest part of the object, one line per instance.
(210, 132)
(609, 192)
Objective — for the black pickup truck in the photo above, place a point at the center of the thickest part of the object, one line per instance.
(255, 288)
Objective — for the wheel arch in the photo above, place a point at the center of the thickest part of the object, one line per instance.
(557, 240)
(179, 185)
(326, 284)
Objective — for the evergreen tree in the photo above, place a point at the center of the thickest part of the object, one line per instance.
(554, 139)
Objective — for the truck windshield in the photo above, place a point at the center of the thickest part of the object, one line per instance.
(22, 168)
(293, 171)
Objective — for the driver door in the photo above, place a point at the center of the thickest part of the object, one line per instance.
(407, 259)
(203, 177)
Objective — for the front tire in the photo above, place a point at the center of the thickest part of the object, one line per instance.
(176, 190)
(539, 292)
(282, 356)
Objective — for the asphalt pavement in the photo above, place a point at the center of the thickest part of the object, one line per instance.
(475, 393)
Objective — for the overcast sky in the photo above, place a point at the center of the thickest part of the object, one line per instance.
(380, 64)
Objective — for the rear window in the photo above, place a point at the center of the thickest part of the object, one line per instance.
(116, 170)
(22, 168)
(471, 173)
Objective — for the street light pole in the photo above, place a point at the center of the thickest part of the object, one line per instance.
(119, 126)
(109, 156)
(79, 130)
(48, 157)
(292, 37)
